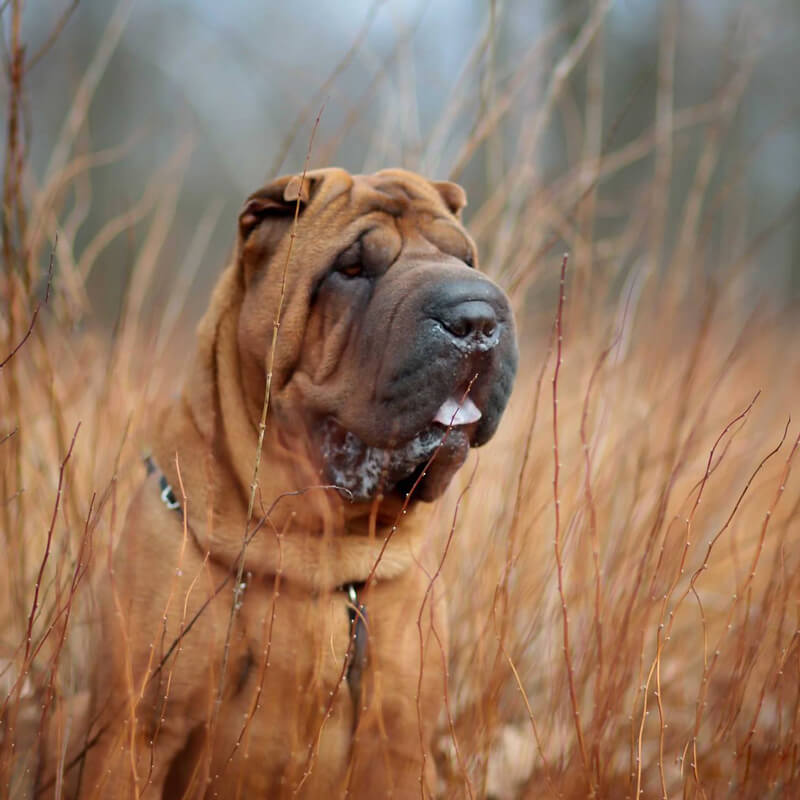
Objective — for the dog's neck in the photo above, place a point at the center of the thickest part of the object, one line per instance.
(307, 533)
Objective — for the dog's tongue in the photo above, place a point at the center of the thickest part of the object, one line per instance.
(454, 413)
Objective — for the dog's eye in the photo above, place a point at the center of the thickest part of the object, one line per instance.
(351, 271)
(469, 260)
(350, 262)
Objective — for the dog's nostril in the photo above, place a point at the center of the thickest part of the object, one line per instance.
(469, 317)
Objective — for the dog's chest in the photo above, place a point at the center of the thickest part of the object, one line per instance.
(287, 688)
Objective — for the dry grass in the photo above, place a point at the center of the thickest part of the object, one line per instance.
(624, 568)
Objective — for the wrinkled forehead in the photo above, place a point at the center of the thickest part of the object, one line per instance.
(393, 191)
(398, 192)
(410, 205)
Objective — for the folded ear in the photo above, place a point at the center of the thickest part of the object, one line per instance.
(454, 196)
(277, 199)
(266, 218)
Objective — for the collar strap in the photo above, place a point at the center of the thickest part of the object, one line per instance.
(357, 649)
(168, 497)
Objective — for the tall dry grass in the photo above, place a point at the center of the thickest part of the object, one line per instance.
(622, 569)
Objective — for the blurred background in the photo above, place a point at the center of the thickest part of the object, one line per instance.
(655, 141)
(195, 103)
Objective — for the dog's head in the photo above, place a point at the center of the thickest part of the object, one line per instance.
(392, 347)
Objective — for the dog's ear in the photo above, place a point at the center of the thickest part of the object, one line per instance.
(267, 216)
(278, 199)
(454, 196)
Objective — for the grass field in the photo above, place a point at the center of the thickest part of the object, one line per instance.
(623, 570)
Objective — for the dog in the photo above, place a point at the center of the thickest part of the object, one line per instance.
(270, 625)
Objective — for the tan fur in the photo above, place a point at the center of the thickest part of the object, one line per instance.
(286, 723)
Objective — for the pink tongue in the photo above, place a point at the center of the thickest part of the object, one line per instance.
(453, 413)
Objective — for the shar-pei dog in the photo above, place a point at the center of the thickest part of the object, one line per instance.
(283, 635)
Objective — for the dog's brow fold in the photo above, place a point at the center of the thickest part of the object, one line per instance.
(394, 197)
(444, 247)
(379, 200)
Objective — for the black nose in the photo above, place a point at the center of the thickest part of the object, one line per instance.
(469, 318)
(471, 312)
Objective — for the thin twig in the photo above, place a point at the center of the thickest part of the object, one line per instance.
(33, 318)
(43, 563)
(557, 544)
(262, 426)
(54, 34)
(428, 592)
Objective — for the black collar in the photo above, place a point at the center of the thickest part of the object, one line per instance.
(168, 497)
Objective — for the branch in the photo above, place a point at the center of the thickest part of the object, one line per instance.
(35, 312)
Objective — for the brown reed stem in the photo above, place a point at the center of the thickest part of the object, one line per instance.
(262, 426)
(425, 597)
(557, 544)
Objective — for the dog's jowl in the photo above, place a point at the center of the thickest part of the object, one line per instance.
(281, 650)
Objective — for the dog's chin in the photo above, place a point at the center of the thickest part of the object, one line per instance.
(421, 468)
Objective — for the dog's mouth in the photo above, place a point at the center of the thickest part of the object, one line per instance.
(422, 466)
(455, 413)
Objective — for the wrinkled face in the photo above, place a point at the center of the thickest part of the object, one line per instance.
(398, 353)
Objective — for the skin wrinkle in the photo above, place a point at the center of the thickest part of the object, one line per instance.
(341, 328)
(390, 186)
(361, 227)
(467, 247)
(219, 445)
(385, 203)
(225, 452)
(190, 414)
(389, 326)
